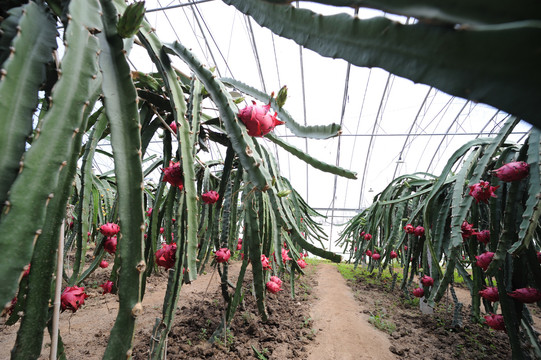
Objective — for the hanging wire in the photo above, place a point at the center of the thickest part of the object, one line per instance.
(248, 21)
(162, 8)
(372, 139)
(445, 135)
(410, 130)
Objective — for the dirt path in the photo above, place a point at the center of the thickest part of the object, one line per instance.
(343, 330)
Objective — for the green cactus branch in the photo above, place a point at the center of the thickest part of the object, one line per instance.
(314, 131)
(20, 79)
(448, 12)
(320, 165)
(51, 151)
(452, 60)
(121, 110)
(240, 140)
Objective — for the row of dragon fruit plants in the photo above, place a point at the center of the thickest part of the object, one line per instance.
(187, 222)
(479, 217)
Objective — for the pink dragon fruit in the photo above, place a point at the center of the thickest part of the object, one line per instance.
(418, 292)
(483, 236)
(467, 230)
(419, 231)
(166, 256)
(223, 255)
(104, 264)
(110, 244)
(482, 191)
(258, 120)
(484, 260)
(149, 211)
(495, 321)
(265, 262)
(409, 229)
(107, 287)
(285, 256)
(512, 171)
(72, 298)
(273, 287)
(210, 197)
(173, 175)
(173, 126)
(526, 295)
(427, 281)
(239, 244)
(490, 293)
(376, 256)
(302, 264)
(276, 280)
(109, 229)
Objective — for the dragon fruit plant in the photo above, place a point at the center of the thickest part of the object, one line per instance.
(480, 221)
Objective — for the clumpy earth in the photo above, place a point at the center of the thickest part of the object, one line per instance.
(326, 320)
(415, 335)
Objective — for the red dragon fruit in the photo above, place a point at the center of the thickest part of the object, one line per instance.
(376, 256)
(285, 256)
(173, 126)
(427, 281)
(302, 264)
(495, 321)
(393, 254)
(490, 293)
(467, 230)
(107, 287)
(368, 253)
(273, 287)
(483, 236)
(166, 256)
(258, 120)
(419, 231)
(512, 171)
(482, 191)
(409, 229)
(367, 237)
(276, 280)
(239, 244)
(104, 264)
(109, 229)
(72, 297)
(210, 197)
(418, 292)
(526, 295)
(149, 211)
(484, 260)
(223, 255)
(539, 257)
(173, 175)
(110, 244)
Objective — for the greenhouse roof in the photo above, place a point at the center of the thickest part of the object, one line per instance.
(390, 125)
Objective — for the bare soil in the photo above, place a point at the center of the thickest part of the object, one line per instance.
(326, 320)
